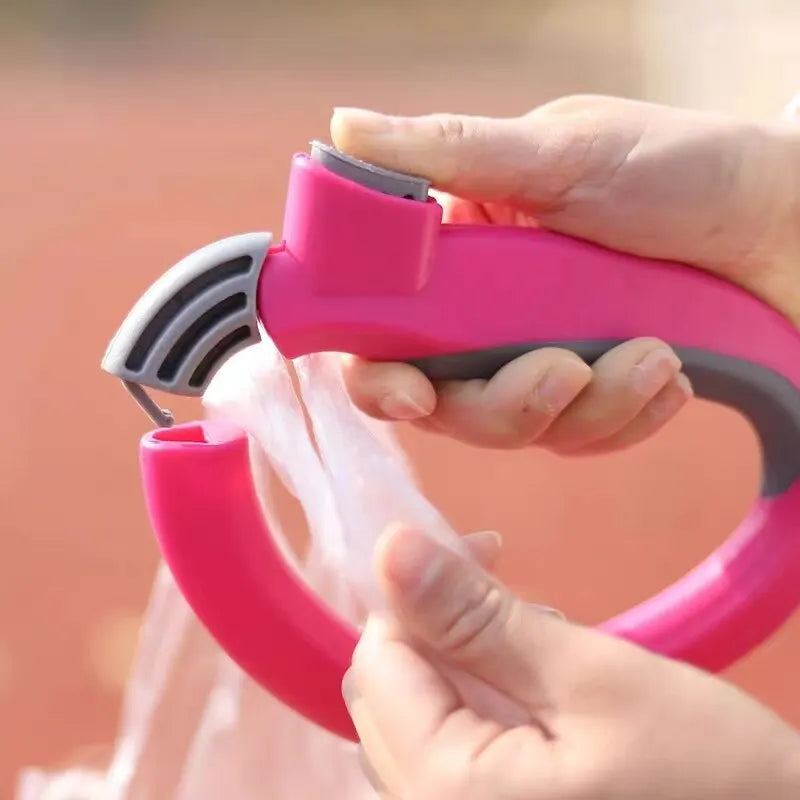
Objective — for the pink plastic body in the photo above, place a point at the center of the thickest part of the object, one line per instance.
(412, 287)
(381, 277)
(210, 528)
(212, 534)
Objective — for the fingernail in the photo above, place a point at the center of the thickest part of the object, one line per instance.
(373, 636)
(560, 386)
(495, 536)
(667, 403)
(399, 405)
(654, 370)
(685, 385)
(376, 629)
(414, 561)
(367, 121)
(348, 689)
(549, 610)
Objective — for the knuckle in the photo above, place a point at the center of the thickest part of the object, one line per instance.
(533, 366)
(537, 413)
(451, 127)
(478, 620)
(575, 147)
(565, 155)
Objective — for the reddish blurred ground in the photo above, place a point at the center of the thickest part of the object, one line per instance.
(109, 179)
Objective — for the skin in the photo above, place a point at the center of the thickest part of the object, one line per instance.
(621, 173)
(600, 718)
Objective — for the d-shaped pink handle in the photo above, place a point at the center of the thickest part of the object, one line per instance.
(203, 507)
(211, 531)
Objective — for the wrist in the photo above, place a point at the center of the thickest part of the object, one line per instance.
(783, 139)
(786, 137)
(774, 266)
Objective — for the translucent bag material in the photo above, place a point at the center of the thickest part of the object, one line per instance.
(194, 726)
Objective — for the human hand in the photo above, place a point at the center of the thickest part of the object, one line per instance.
(718, 193)
(605, 719)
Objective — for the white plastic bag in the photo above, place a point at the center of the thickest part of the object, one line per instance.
(194, 726)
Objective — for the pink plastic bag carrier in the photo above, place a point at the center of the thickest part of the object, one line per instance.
(365, 266)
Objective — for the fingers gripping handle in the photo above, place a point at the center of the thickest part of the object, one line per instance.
(767, 399)
(736, 351)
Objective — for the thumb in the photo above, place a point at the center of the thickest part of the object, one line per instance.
(458, 612)
(479, 158)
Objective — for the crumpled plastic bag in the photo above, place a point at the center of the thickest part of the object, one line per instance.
(194, 726)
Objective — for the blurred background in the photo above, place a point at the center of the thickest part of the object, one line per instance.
(133, 132)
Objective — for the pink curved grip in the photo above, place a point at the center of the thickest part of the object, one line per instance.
(731, 602)
(378, 276)
(211, 531)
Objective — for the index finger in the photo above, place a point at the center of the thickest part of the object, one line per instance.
(404, 697)
(388, 390)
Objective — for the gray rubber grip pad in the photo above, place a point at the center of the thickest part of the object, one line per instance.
(371, 176)
(767, 399)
